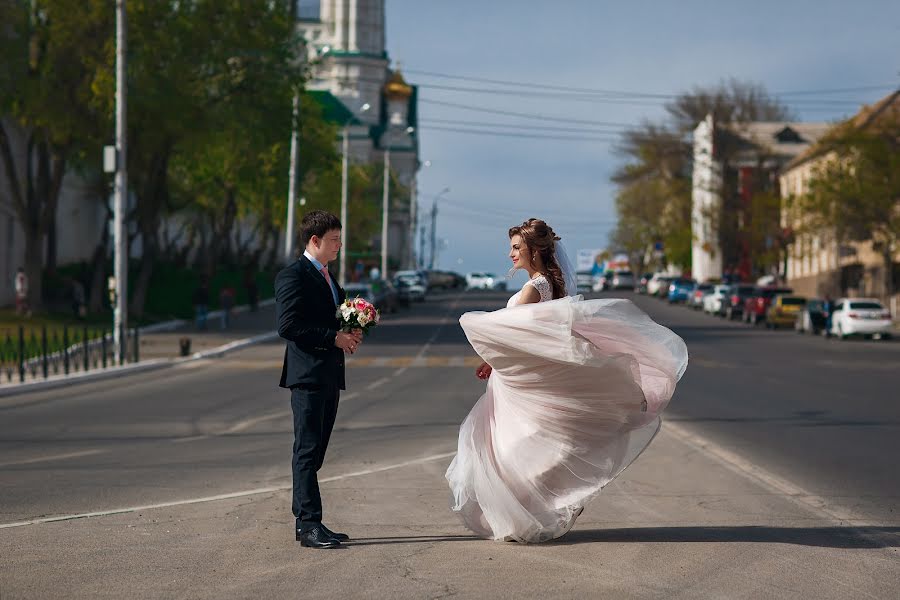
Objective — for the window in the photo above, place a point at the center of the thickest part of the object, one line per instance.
(866, 306)
(308, 10)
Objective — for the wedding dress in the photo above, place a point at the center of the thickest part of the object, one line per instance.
(574, 397)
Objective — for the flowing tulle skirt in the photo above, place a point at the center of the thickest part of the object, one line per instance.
(575, 396)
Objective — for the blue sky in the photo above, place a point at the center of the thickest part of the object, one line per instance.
(636, 46)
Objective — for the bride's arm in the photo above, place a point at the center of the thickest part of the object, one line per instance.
(529, 295)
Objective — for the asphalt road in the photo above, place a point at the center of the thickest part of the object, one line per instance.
(775, 476)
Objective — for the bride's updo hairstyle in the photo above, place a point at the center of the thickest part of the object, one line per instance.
(540, 240)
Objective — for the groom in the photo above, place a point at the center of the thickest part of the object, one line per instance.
(306, 299)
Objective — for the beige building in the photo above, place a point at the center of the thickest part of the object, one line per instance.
(819, 264)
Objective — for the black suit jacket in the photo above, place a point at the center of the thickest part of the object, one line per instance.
(307, 318)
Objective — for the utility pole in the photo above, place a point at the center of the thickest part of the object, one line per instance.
(385, 207)
(120, 237)
(345, 165)
(433, 233)
(413, 216)
(292, 184)
(345, 151)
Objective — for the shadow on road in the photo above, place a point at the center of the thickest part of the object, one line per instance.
(412, 539)
(825, 537)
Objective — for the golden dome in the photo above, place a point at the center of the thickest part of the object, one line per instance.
(396, 87)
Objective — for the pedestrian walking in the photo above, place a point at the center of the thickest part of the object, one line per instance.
(79, 308)
(21, 287)
(200, 301)
(252, 290)
(226, 301)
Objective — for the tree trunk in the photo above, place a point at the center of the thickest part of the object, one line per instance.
(152, 198)
(887, 256)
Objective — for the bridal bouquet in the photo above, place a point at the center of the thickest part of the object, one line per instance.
(357, 313)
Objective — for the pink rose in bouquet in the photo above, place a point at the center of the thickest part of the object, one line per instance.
(357, 313)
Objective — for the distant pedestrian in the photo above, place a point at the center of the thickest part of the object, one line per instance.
(226, 301)
(21, 285)
(79, 308)
(827, 308)
(252, 290)
(200, 301)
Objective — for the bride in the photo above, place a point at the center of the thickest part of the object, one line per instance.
(574, 392)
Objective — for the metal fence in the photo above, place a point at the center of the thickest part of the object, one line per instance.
(33, 354)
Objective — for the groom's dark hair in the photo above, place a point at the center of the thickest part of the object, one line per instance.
(317, 223)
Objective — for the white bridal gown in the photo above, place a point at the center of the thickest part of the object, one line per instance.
(575, 396)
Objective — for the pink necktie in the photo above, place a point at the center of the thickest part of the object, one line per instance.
(324, 272)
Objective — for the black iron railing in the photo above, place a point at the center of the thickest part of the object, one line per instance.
(36, 353)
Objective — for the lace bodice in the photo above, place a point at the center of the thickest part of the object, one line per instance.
(541, 284)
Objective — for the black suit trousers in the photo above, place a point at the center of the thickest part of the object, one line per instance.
(314, 408)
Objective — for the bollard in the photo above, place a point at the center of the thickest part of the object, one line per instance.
(185, 346)
(21, 354)
(44, 358)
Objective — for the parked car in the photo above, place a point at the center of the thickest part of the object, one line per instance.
(680, 289)
(714, 302)
(643, 282)
(584, 281)
(411, 287)
(861, 316)
(757, 304)
(737, 295)
(659, 284)
(484, 281)
(381, 293)
(443, 280)
(622, 280)
(784, 310)
(700, 290)
(812, 318)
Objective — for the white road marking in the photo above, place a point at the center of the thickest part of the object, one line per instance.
(254, 492)
(247, 423)
(52, 457)
(780, 486)
(378, 383)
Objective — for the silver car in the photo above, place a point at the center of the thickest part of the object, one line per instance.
(622, 280)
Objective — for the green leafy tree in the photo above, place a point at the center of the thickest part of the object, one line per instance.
(50, 122)
(856, 191)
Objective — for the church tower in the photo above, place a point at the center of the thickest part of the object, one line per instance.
(346, 43)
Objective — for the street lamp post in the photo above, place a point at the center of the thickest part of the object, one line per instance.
(386, 201)
(120, 318)
(414, 219)
(434, 227)
(292, 184)
(345, 151)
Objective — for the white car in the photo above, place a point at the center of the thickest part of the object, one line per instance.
(482, 281)
(860, 316)
(658, 284)
(714, 302)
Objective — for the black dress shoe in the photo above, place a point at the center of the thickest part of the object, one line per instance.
(316, 538)
(341, 537)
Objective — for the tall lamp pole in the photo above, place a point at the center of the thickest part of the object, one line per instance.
(345, 151)
(120, 239)
(292, 184)
(414, 219)
(434, 226)
(386, 202)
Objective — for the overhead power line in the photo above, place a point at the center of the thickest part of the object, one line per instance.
(611, 137)
(510, 113)
(631, 93)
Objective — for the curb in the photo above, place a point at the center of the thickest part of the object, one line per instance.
(133, 369)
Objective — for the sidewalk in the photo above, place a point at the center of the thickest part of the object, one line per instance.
(244, 324)
(160, 347)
